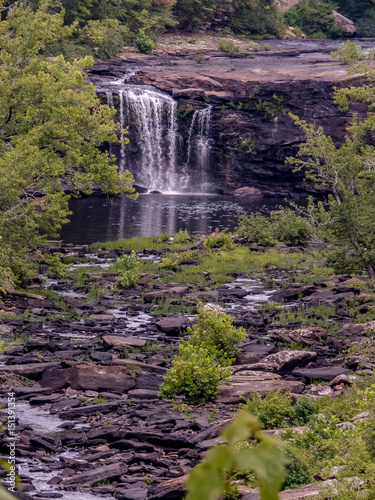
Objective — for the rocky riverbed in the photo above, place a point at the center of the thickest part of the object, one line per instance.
(86, 373)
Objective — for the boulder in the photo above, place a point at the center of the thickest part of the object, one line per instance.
(280, 362)
(346, 24)
(350, 329)
(173, 325)
(248, 192)
(247, 382)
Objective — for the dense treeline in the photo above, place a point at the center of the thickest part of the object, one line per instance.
(102, 27)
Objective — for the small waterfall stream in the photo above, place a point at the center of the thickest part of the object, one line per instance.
(199, 139)
(154, 157)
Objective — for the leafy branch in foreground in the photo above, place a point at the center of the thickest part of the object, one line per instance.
(207, 480)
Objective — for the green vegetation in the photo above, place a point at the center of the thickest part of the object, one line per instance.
(128, 269)
(49, 132)
(194, 373)
(208, 479)
(228, 45)
(200, 365)
(276, 410)
(270, 108)
(215, 332)
(314, 18)
(282, 225)
(348, 53)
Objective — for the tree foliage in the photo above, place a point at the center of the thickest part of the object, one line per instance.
(314, 18)
(266, 459)
(347, 171)
(51, 125)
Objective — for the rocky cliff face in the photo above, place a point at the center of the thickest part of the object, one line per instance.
(251, 94)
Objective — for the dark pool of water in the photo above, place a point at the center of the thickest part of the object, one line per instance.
(101, 219)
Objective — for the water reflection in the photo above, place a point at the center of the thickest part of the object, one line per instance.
(105, 219)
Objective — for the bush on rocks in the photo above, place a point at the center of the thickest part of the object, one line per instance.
(215, 331)
(194, 373)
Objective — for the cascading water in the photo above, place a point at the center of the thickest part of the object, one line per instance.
(199, 145)
(153, 117)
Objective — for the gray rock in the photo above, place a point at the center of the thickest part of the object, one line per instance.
(324, 373)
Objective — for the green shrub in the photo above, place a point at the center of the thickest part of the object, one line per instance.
(194, 374)
(266, 46)
(163, 237)
(281, 225)
(183, 236)
(168, 264)
(217, 239)
(227, 45)
(200, 58)
(302, 411)
(144, 44)
(105, 36)
(291, 228)
(348, 53)
(128, 268)
(255, 46)
(256, 228)
(258, 18)
(215, 332)
(273, 411)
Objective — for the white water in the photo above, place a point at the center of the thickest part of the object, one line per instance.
(154, 116)
(199, 145)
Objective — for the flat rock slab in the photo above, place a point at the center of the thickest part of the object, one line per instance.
(247, 382)
(177, 290)
(90, 377)
(324, 373)
(27, 369)
(118, 342)
(304, 335)
(95, 475)
(173, 489)
(86, 411)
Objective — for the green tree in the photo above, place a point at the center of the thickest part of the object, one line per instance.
(257, 17)
(347, 171)
(51, 125)
(314, 18)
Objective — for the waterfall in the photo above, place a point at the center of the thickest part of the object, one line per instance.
(199, 139)
(152, 115)
(155, 149)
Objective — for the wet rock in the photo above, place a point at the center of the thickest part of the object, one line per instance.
(246, 382)
(95, 475)
(324, 373)
(280, 362)
(247, 192)
(177, 290)
(173, 325)
(118, 342)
